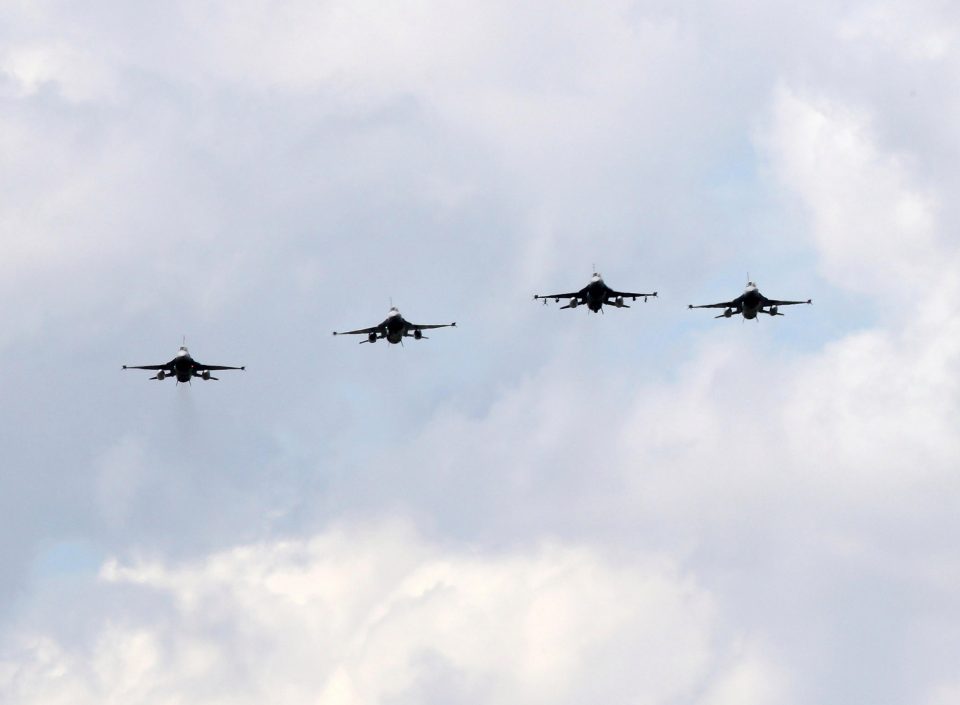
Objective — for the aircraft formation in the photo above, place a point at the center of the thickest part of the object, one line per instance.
(394, 328)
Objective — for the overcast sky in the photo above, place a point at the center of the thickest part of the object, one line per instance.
(540, 506)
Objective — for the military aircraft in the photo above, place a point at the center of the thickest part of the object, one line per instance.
(750, 303)
(183, 367)
(394, 329)
(595, 295)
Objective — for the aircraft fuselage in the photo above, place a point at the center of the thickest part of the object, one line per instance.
(596, 295)
(395, 327)
(183, 367)
(751, 302)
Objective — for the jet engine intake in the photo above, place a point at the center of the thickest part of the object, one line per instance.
(619, 302)
(728, 313)
(206, 374)
(372, 337)
(161, 374)
(417, 334)
(574, 303)
(773, 310)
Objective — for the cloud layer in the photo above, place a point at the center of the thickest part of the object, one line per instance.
(645, 506)
(379, 615)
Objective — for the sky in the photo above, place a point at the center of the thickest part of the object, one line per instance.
(539, 506)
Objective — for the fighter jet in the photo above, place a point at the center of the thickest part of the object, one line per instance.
(750, 303)
(595, 295)
(394, 329)
(183, 367)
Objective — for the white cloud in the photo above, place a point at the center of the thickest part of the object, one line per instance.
(751, 681)
(380, 615)
(70, 71)
(808, 487)
(921, 32)
(260, 174)
(945, 694)
(874, 225)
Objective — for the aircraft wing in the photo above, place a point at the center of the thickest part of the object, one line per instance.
(214, 368)
(775, 302)
(726, 304)
(359, 331)
(557, 296)
(417, 326)
(629, 294)
(167, 366)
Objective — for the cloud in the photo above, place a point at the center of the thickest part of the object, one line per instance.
(944, 694)
(256, 176)
(921, 34)
(377, 614)
(808, 487)
(875, 228)
(752, 681)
